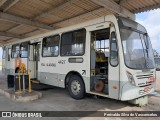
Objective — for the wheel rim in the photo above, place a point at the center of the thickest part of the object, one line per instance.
(75, 87)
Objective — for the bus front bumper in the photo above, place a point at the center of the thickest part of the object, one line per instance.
(130, 92)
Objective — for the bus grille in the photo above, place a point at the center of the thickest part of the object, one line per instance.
(144, 76)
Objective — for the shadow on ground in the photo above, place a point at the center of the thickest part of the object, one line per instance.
(58, 99)
(90, 102)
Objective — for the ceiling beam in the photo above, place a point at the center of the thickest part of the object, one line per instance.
(55, 9)
(10, 5)
(6, 34)
(24, 21)
(81, 16)
(2, 42)
(113, 6)
(6, 40)
(14, 28)
(124, 1)
(2, 2)
(67, 20)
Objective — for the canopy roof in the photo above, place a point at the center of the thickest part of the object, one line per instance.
(24, 18)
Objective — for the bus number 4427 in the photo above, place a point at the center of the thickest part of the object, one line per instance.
(61, 61)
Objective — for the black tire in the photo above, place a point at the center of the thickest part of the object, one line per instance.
(76, 87)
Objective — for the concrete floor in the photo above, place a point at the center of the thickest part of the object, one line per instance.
(57, 99)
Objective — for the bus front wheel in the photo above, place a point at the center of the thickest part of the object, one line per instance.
(76, 87)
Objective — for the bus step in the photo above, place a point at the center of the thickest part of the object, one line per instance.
(35, 81)
(103, 68)
(102, 73)
(102, 78)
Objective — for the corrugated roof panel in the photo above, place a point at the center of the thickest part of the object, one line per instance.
(31, 8)
(76, 12)
(36, 32)
(87, 5)
(6, 25)
(49, 19)
(140, 5)
(69, 11)
(22, 29)
(4, 38)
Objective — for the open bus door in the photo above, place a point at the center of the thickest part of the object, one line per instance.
(8, 61)
(4, 61)
(34, 58)
(103, 60)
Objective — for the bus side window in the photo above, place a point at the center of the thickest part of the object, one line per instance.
(50, 46)
(9, 54)
(4, 53)
(24, 50)
(15, 51)
(73, 43)
(114, 50)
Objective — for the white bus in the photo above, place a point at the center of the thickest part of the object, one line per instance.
(110, 56)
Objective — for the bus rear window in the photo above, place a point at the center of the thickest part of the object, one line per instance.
(15, 51)
(4, 53)
(24, 50)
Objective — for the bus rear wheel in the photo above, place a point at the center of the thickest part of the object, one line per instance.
(76, 87)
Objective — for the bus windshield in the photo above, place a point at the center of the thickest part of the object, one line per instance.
(137, 47)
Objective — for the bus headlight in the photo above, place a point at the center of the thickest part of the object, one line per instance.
(130, 78)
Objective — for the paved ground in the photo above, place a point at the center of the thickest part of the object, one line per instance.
(57, 99)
